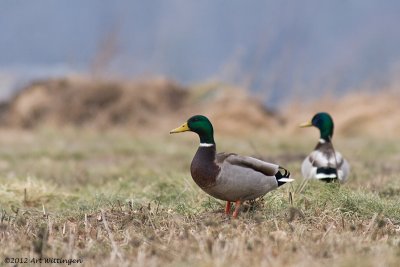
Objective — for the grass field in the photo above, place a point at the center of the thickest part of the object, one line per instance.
(118, 198)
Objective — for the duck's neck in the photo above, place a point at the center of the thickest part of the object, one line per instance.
(206, 139)
(326, 132)
(207, 145)
(204, 170)
(324, 142)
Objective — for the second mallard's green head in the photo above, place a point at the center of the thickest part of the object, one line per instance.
(200, 125)
(324, 122)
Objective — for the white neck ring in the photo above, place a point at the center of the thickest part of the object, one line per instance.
(206, 145)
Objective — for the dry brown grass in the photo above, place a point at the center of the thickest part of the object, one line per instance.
(142, 105)
(151, 235)
(83, 102)
(156, 104)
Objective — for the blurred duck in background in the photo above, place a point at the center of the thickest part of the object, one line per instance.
(324, 163)
(228, 176)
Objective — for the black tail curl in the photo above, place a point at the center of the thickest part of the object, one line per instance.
(282, 173)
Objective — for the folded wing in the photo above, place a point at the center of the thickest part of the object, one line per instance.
(266, 168)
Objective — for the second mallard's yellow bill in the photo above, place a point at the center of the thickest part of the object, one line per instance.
(183, 128)
(306, 124)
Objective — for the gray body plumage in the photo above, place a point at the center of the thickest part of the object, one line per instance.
(324, 157)
(242, 178)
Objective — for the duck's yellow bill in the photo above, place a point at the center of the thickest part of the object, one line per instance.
(183, 128)
(306, 124)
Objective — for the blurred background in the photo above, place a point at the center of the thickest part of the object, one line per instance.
(279, 51)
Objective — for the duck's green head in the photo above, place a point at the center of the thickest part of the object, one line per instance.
(200, 125)
(323, 121)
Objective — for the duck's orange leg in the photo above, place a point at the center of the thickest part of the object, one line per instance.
(228, 207)
(237, 207)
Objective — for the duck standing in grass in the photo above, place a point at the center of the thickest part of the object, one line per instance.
(228, 176)
(324, 163)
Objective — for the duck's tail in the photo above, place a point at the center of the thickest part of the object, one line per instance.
(283, 176)
(327, 174)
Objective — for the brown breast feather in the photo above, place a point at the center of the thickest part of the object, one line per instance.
(204, 169)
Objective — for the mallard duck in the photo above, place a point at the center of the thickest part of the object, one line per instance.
(228, 176)
(324, 163)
